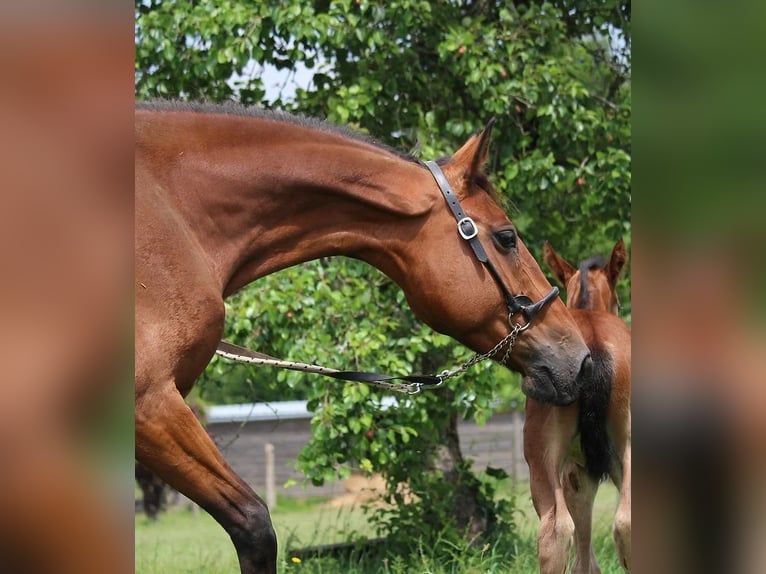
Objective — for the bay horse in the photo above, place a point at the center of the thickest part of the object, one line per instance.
(227, 194)
(565, 472)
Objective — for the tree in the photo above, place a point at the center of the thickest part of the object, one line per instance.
(414, 74)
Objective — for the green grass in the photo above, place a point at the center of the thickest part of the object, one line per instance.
(184, 543)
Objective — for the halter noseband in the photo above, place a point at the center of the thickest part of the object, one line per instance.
(469, 231)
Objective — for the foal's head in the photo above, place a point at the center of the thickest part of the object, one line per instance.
(593, 284)
(456, 294)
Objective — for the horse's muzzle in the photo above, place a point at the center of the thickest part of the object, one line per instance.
(545, 385)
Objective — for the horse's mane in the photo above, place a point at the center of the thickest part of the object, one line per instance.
(237, 109)
(595, 262)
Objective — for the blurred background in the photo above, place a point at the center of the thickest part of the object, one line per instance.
(698, 268)
(66, 235)
(687, 161)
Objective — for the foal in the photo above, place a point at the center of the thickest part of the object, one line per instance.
(564, 472)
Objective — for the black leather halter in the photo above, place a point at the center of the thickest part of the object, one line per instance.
(469, 231)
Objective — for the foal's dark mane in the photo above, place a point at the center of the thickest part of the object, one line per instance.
(595, 262)
(237, 109)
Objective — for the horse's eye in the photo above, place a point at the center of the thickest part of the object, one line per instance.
(505, 239)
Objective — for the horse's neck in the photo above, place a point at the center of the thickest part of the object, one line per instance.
(266, 198)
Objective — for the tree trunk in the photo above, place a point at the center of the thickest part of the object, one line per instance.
(467, 508)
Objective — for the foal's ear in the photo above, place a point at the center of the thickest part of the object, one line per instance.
(616, 262)
(560, 267)
(473, 155)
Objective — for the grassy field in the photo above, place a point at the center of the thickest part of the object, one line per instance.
(184, 543)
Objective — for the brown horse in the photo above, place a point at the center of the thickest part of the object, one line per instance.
(564, 472)
(225, 195)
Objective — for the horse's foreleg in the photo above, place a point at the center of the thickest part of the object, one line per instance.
(547, 433)
(622, 529)
(580, 492)
(171, 442)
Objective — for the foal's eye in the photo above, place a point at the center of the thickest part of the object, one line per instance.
(505, 239)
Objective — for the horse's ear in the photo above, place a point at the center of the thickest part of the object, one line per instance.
(616, 262)
(482, 153)
(473, 155)
(560, 267)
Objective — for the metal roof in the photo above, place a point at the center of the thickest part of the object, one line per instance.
(258, 412)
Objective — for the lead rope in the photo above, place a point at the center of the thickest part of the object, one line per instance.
(509, 339)
(244, 356)
(421, 382)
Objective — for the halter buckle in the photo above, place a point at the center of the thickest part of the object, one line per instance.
(471, 232)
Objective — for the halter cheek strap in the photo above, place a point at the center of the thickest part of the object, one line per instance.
(469, 231)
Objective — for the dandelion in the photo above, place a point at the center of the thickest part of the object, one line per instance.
(295, 560)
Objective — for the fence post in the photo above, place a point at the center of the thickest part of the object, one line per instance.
(271, 492)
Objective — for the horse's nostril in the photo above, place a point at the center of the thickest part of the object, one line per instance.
(586, 369)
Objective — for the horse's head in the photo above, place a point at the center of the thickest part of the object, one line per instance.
(451, 289)
(593, 285)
